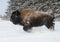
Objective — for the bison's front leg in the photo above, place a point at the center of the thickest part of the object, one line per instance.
(27, 27)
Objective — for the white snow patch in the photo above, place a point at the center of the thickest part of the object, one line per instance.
(14, 33)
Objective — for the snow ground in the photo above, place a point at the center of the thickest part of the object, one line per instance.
(14, 33)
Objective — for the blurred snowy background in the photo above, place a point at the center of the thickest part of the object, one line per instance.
(8, 6)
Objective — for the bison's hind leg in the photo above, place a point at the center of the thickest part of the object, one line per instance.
(49, 24)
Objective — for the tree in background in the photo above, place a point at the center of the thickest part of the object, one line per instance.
(43, 5)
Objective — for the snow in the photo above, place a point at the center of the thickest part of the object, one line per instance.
(14, 33)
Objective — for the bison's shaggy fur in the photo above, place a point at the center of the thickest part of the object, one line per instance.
(29, 18)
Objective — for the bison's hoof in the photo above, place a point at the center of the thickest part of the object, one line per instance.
(27, 28)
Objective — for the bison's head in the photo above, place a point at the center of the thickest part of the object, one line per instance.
(15, 17)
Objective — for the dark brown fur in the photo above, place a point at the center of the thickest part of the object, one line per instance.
(30, 18)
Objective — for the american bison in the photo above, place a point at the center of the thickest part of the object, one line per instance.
(29, 18)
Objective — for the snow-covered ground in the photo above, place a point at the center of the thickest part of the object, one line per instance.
(14, 33)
